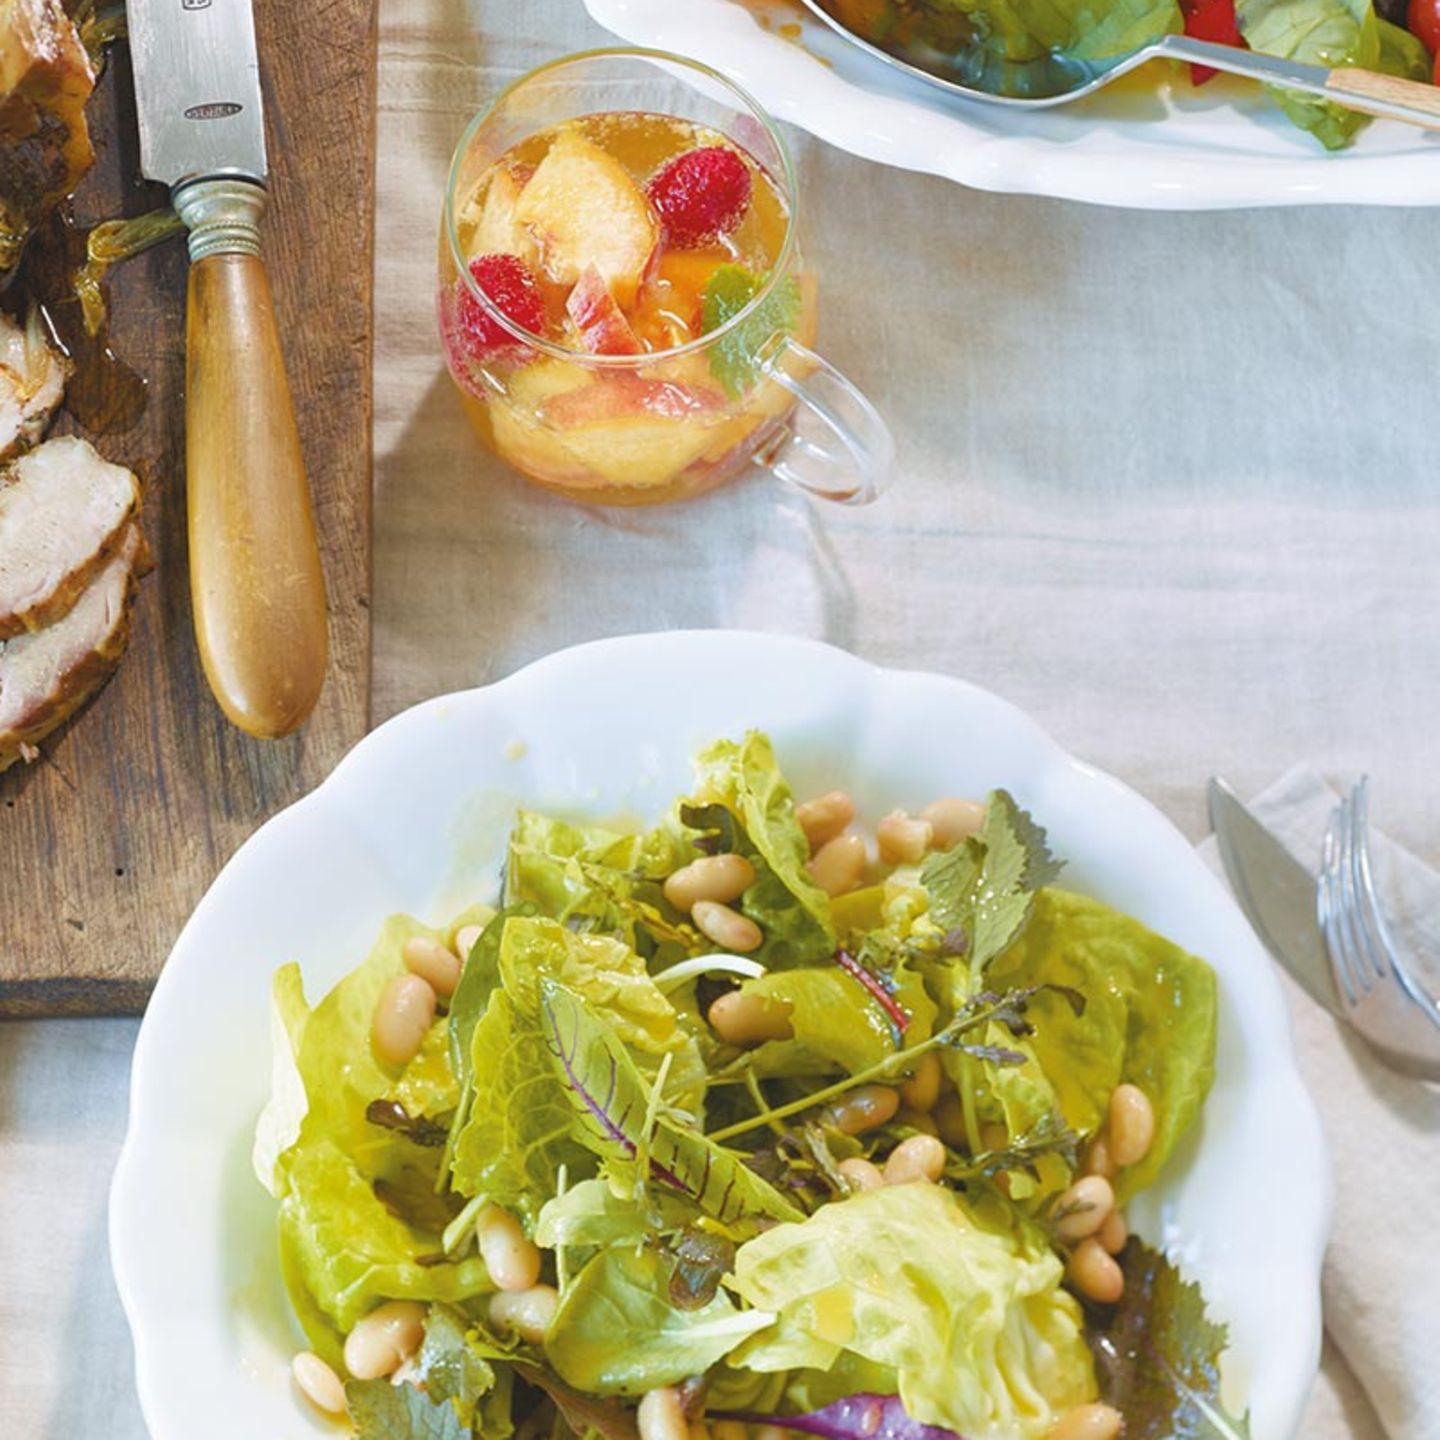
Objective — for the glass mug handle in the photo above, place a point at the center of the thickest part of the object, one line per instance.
(835, 445)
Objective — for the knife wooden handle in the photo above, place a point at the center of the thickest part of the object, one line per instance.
(256, 584)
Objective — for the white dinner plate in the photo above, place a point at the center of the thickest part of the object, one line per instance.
(1151, 145)
(415, 819)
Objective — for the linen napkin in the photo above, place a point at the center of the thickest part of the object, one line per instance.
(1381, 1283)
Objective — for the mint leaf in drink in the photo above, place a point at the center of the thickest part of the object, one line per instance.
(734, 356)
(1157, 1354)
(985, 885)
(382, 1411)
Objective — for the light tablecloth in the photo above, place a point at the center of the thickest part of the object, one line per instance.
(1167, 482)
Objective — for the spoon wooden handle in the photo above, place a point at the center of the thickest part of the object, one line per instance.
(1375, 94)
(256, 585)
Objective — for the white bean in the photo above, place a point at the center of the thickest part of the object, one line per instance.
(529, 1313)
(953, 820)
(433, 962)
(823, 818)
(661, 1416)
(748, 1020)
(512, 1260)
(728, 928)
(1132, 1125)
(950, 1121)
(1084, 1207)
(1094, 1273)
(1098, 1159)
(839, 864)
(921, 1157)
(712, 877)
(922, 1090)
(388, 1335)
(465, 938)
(318, 1383)
(403, 1017)
(865, 1108)
(902, 839)
(1088, 1422)
(1113, 1234)
(862, 1174)
(917, 1120)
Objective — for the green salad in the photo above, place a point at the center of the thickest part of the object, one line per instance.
(1032, 48)
(728, 1128)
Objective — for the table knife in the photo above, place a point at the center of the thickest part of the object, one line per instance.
(1276, 892)
(256, 584)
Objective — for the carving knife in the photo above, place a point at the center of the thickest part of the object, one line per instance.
(256, 584)
(1276, 892)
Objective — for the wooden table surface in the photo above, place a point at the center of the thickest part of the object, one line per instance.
(107, 843)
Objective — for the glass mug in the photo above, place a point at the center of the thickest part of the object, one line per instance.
(704, 401)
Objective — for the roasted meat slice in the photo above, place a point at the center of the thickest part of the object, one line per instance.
(46, 77)
(48, 675)
(32, 381)
(63, 512)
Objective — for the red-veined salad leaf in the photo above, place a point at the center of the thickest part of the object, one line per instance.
(859, 1417)
(612, 1102)
(1157, 1355)
(519, 1127)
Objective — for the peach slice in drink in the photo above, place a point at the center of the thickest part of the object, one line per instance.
(585, 210)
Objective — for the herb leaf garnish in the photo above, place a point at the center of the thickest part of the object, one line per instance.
(986, 884)
(1157, 1354)
(734, 357)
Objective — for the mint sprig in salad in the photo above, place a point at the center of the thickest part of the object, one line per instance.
(707, 1128)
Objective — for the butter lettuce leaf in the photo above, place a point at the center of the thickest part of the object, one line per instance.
(358, 1202)
(961, 1299)
(838, 1024)
(606, 972)
(592, 1213)
(618, 1333)
(1157, 1355)
(1150, 1018)
(792, 911)
(349, 1251)
(1318, 32)
(595, 878)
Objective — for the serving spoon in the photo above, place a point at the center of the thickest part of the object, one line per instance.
(1057, 80)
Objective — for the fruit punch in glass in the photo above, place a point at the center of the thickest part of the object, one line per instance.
(622, 301)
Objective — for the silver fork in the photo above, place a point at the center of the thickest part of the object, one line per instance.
(1379, 995)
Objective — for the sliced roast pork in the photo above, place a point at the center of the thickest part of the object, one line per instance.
(63, 512)
(45, 79)
(32, 382)
(48, 675)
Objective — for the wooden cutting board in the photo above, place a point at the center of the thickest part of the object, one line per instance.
(107, 843)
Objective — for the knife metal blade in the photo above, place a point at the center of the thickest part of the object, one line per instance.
(1275, 891)
(197, 90)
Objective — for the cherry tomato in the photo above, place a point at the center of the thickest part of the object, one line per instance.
(1215, 20)
(1423, 19)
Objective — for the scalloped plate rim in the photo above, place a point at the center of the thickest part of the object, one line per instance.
(128, 1214)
